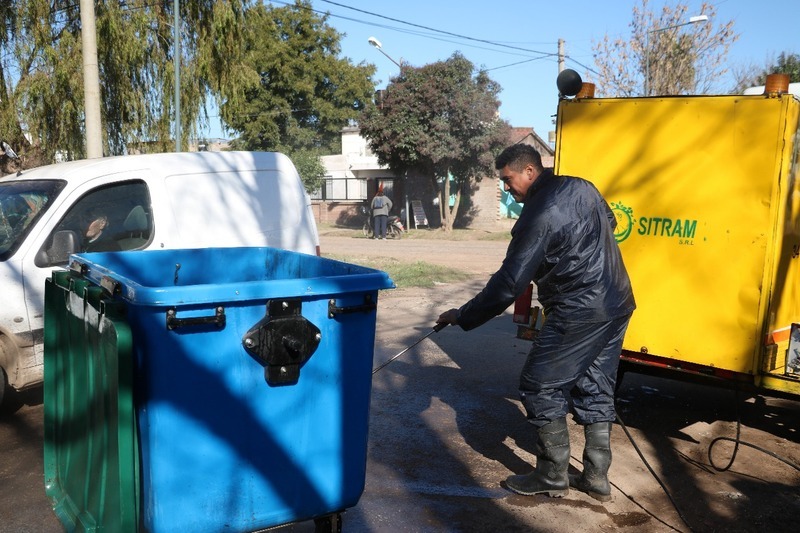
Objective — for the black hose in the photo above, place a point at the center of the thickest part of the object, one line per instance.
(652, 472)
(738, 442)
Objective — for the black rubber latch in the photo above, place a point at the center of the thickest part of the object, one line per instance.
(282, 341)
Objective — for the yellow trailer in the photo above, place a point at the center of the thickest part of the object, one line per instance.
(706, 193)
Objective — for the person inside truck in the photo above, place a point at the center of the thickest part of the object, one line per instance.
(96, 238)
(563, 242)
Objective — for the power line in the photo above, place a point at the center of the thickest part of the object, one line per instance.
(513, 64)
(590, 69)
(542, 55)
(428, 28)
(493, 43)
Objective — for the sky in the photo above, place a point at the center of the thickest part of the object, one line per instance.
(419, 32)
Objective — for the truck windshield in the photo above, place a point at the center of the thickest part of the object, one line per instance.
(22, 203)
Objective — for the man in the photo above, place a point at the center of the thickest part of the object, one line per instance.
(564, 243)
(95, 237)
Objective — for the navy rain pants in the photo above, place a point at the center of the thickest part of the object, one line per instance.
(573, 362)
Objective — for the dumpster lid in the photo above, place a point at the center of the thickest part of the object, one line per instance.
(203, 275)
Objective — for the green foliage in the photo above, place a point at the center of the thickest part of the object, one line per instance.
(786, 64)
(752, 75)
(439, 120)
(302, 94)
(41, 69)
(310, 167)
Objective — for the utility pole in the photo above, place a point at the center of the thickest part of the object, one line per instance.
(91, 82)
(551, 135)
(177, 61)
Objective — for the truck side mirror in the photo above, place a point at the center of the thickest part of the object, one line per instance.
(64, 243)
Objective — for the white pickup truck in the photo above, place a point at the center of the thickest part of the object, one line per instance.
(136, 202)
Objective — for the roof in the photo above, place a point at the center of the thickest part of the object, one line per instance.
(181, 162)
(526, 135)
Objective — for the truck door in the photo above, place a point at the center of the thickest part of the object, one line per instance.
(111, 217)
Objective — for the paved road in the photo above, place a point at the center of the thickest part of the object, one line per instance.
(446, 428)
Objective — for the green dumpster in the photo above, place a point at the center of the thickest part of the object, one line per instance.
(90, 449)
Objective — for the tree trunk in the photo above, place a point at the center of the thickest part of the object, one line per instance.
(448, 213)
(454, 210)
(444, 195)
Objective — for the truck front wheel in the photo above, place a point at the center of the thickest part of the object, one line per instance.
(9, 398)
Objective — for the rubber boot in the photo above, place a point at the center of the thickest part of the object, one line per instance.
(596, 461)
(552, 461)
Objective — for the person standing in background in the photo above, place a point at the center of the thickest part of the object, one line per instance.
(381, 206)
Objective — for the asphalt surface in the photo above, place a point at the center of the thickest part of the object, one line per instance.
(446, 429)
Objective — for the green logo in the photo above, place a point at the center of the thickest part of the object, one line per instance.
(624, 216)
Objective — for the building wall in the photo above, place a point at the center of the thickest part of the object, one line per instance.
(483, 208)
(338, 213)
(486, 204)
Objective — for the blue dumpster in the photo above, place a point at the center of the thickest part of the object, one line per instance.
(251, 382)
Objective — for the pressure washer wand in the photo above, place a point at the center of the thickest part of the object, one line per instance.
(437, 327)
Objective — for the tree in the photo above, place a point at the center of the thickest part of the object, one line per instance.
(439, 120)
(309, 167)
(303, 94)
(786, 63)
(664, 54)
(41, 109)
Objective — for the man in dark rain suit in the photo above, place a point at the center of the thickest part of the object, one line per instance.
(564, 243)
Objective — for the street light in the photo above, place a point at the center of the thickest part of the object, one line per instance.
(377, 44)
(692, 20)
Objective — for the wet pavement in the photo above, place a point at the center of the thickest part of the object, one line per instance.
(446, 429)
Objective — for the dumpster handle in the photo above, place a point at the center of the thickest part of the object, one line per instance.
(366, 307)
(111, 286)
(173, 322)
(79, 268)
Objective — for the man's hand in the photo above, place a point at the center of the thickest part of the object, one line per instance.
(448, 317)
(96, 227)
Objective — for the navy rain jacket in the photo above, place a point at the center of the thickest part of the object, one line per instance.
(564, 243)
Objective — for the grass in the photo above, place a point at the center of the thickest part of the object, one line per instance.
(408, 274)
(428, 234)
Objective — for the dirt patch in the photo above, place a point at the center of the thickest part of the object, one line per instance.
(447, 428)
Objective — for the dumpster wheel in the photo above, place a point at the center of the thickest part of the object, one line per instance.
(331, 523)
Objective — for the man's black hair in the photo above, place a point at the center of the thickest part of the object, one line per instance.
(517, 156)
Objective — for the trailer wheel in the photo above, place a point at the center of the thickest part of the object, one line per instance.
(331, 523)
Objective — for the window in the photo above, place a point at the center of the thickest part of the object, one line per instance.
(22, 203)
(111, 218)
(342, 189)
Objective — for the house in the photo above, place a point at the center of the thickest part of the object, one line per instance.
(528, 136)
(353, 177)
(351, 180)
